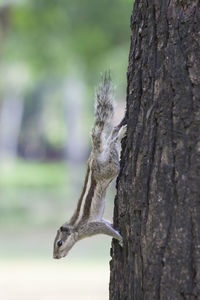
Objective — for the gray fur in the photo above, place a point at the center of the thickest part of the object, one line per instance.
(103, 167)
(103, 112)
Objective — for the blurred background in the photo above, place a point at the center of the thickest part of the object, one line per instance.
(51, 55)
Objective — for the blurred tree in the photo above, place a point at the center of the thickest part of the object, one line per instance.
(10, 119)
(56, 35)
(55, 40)
(76, 148)
(157, 208)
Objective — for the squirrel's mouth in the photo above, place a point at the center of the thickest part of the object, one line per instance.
(60, 255)
(56, 256)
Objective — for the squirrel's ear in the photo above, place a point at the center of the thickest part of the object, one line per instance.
(64, 228)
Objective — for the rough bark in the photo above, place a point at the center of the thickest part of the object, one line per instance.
(157, 207)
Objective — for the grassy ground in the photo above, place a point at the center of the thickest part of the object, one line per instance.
(33, 174)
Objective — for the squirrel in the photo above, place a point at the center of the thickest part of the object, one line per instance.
(102, 168)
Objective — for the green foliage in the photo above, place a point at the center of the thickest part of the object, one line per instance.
(33, 174)
(53, 40)
(51, 35)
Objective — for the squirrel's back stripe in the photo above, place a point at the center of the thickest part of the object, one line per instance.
(77, 211)
(103, 119)
(89, 197)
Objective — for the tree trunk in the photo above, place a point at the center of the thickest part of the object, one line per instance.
(157, 207)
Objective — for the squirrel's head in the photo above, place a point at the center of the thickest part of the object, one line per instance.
(65, 239)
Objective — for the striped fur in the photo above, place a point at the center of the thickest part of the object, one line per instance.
(91, 193)
(103, 167)
(82, 211)
(80, 201)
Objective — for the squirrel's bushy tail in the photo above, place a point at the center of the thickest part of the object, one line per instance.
(103, 111)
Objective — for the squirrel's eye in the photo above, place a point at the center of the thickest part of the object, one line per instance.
(59, 243)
